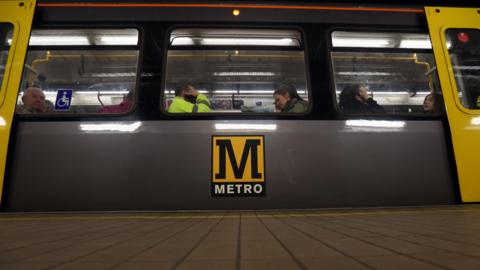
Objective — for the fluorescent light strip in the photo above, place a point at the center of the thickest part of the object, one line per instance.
(235, 41)
(466, 67)
(375, 123)
(257, 92)
(117, 74)
(349, 73)
(245, 126)
(245, 73)
(415, 44)
(54, 40)
(59, 40)
(248, 41)
(120, 127)
(121, 92)
(118, 40)
(393, 93)
(225, 91)
(361, 42)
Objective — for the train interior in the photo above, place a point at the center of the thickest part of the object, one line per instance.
(238, 69)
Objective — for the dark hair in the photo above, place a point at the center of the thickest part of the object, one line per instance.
(348, 93)
(180, 87)
(434, 109)
(285, 88)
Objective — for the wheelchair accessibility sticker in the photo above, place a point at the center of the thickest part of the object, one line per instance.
(64, 99)
(238, 166)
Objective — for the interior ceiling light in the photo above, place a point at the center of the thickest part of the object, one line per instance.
(50, 40)
(245, 73)
(415, 44)
(361, 42)
(248, 41)
(58, 41)
(118, 40)
(211, 41)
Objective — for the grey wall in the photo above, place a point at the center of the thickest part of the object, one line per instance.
(166, 165)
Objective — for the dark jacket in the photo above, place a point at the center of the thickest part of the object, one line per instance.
(295, 106)
(351, 105)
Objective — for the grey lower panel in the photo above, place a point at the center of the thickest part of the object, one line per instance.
(167, 165)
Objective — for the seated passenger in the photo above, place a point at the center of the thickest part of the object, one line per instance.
(354, 99)
(287, 99)
(429, 104)
(188, 99)
(49, 107)
(125, 106)
(33, 102)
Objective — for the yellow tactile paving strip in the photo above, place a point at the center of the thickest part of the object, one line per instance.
(233, 214)
(444, 237)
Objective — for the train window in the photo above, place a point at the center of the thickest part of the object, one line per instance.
(385, 73)
(79, 71)
(5, 42)
(464, 50)
(236, 71)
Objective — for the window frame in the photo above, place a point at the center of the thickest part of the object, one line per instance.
(440, 113)
(76, 116)
(303, 47)
(458, 101)
(13, 31)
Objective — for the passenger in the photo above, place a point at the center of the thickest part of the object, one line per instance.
(354, 99)
(188, 99)
(123, 107)
(429, 104)
(49, 107)
(33, 102)
(287, 99)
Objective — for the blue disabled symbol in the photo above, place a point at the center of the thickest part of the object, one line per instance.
(64, 99)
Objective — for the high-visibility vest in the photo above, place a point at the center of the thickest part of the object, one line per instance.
(179, 105)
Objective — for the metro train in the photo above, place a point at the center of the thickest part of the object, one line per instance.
(103, 75)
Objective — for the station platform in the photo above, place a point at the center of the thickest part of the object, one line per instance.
(444, 237)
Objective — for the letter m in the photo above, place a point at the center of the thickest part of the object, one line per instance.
(225, 147)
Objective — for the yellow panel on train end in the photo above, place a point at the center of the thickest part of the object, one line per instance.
(450, 27)
(16, 19)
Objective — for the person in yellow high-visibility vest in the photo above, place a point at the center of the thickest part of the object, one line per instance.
(188, 99)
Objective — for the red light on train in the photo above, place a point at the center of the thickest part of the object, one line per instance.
(463, 37)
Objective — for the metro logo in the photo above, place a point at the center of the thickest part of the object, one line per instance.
(238, 167)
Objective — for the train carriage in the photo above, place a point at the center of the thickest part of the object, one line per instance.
(104, 137)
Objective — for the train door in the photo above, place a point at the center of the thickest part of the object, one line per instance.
(15, 23)
(455, 35)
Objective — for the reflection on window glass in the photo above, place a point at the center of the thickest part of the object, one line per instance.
(385, 82)
(235, 78)
(5, 42)
(464, 49)
(84, 80)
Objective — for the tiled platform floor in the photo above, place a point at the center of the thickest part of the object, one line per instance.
(400, 238)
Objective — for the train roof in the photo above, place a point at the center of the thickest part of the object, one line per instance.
(403, 3)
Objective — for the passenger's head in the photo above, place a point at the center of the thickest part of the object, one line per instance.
(283, 94)
(357, 92)
(429, 103)
(34, 99)
(183, 88)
